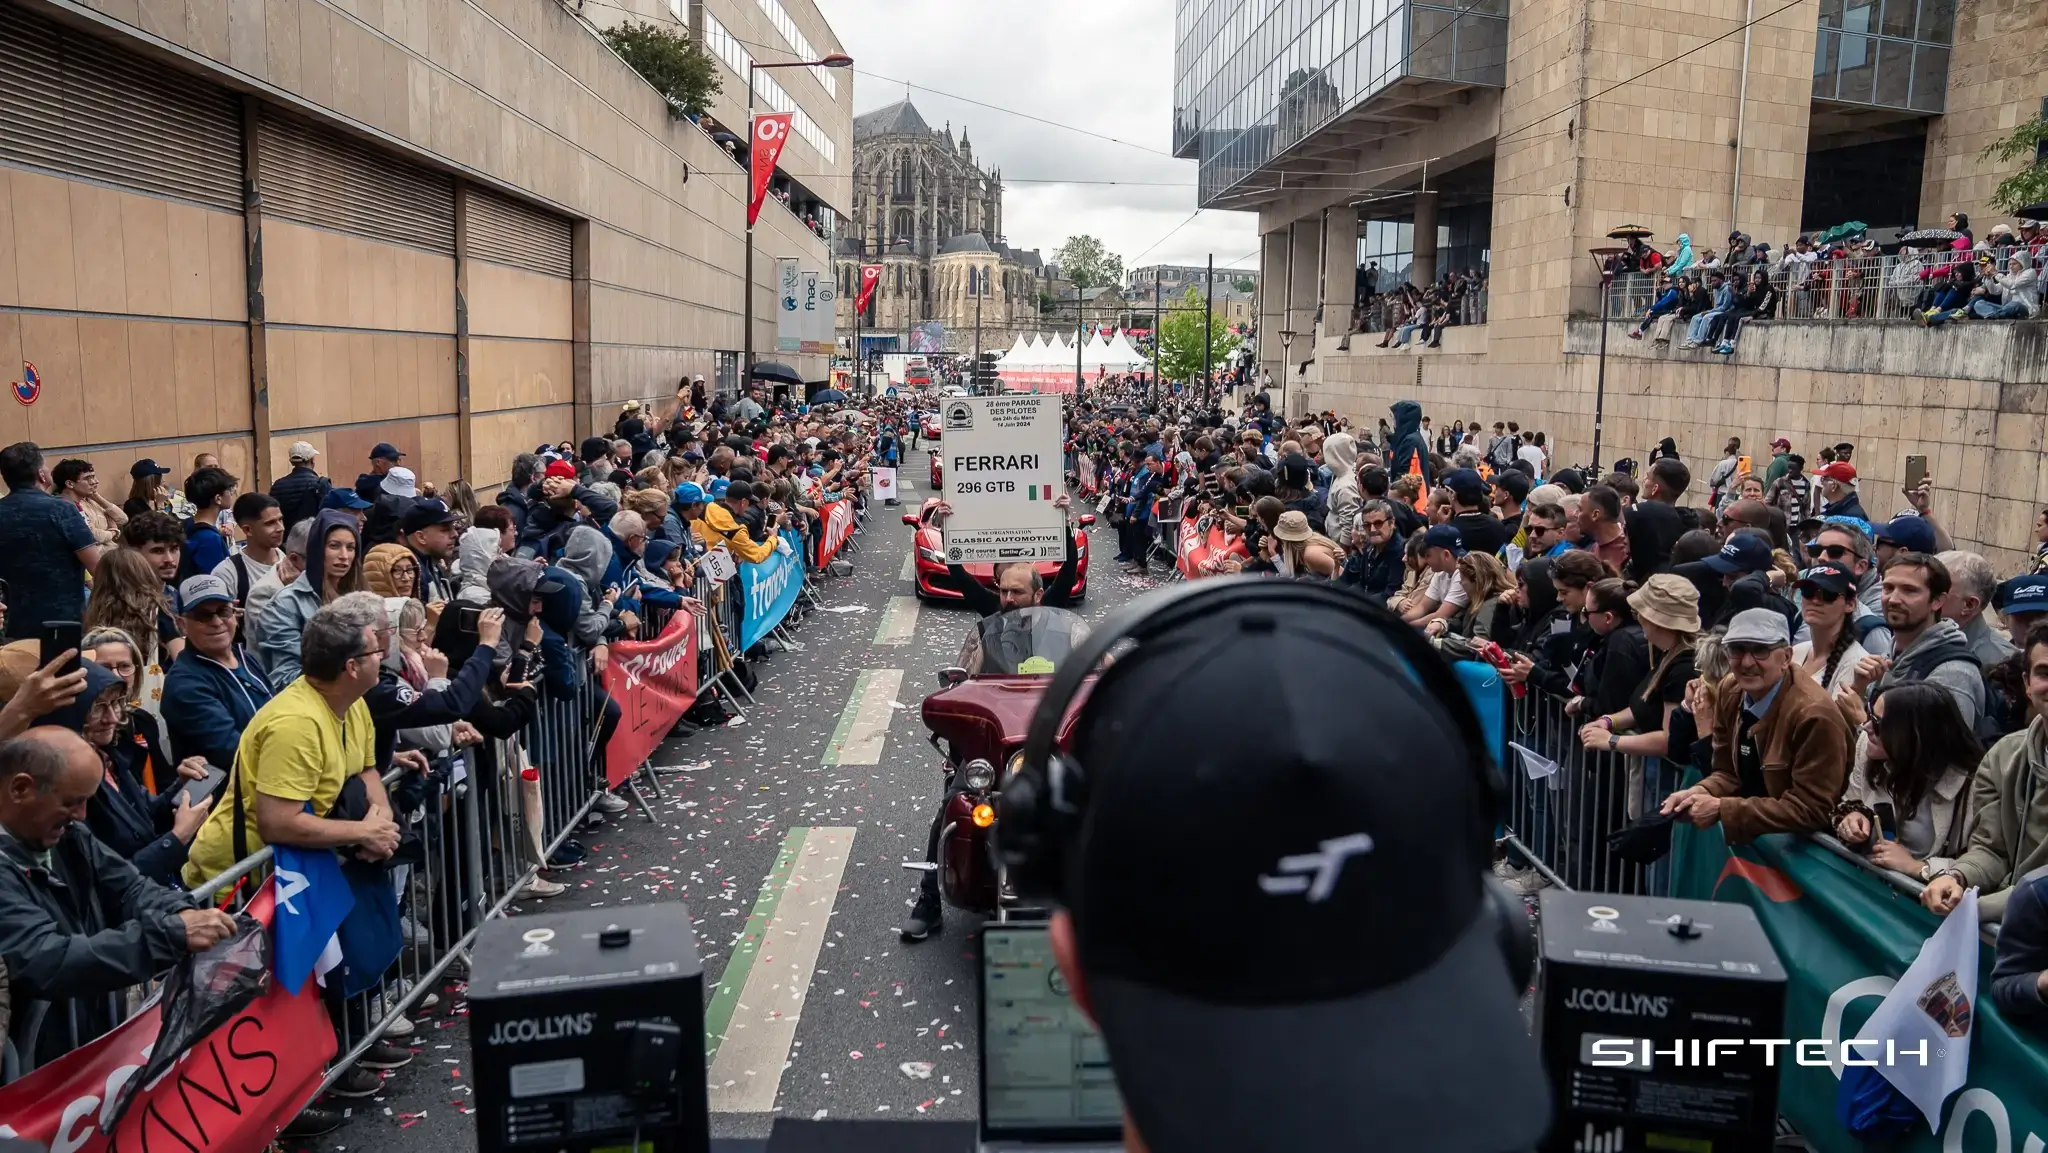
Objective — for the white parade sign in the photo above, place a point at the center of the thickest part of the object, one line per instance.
(1002, 473)
(884, 483)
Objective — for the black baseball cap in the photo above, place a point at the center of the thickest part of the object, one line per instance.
(1827, 577)
(427, 513)
(146, 467)
(1444, 536)
(1467, 485)
(1299, 920)
(385, 450)
(1515, 483)
(1742, 552)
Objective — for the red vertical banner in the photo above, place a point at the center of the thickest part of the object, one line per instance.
(771, 132)
(870, 276)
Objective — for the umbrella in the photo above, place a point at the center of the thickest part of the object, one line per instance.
(1931, 236)
(1630, 232)
(2032, 211)
(1842, 232)
(829, 396)
(778, 372)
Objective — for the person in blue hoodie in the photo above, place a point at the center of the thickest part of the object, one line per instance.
(1407, 446)
(659, 574)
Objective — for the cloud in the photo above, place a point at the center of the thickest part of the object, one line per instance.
(1105, 66)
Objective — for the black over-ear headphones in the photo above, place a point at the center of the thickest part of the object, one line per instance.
(1042, 805)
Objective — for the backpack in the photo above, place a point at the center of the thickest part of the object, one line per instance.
(1501, 453)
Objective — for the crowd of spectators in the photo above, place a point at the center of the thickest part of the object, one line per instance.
(1828, 670)
(1423, 313)
(1934, 282)
(295, 641)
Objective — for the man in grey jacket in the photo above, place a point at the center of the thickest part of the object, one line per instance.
(1927, 646)
(2009, 795)
(78, 924)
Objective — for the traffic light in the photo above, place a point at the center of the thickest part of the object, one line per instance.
(984, 375)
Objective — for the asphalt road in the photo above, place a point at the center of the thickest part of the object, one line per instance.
(831, 773)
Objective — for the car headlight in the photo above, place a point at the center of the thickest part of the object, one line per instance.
(977, 775)
(1015, 762)
(931, 554)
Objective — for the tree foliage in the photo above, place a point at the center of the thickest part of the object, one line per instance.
(2030, 184)
(1180, 340)
(1086, 262)
(1245, 284)
(672, 63)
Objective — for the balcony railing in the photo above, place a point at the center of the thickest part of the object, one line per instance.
(1849, 289)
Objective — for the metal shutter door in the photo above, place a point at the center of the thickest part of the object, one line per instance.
(327, 180)
(505, 231)
(75, 107)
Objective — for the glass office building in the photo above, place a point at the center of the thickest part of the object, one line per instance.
(1252, 78)
(1886, 53)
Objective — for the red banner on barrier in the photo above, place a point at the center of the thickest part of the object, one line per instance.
(1194, 548)
(655, 683)
(230, 1094)
(837, 530)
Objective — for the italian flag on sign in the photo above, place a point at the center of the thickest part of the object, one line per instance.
(1038, 492)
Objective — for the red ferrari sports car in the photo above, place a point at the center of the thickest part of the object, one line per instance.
(931, 426)
(930, 562)
(935, 467)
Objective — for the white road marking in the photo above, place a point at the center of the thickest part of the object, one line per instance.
(909, 572)
(864, 723)
(899, 622)
(747, 1073)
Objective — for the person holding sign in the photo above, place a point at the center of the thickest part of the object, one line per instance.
(1018, 583)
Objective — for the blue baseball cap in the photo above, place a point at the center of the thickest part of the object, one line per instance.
(2022, 594)
(1444, 536)
(718, 486)
(343, 498)
(1910, 532)
(689, 492)
(1744, 552)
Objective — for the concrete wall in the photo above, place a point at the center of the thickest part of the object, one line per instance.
(516, 95)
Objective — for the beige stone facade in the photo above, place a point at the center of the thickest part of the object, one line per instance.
(1600, 122)
(527, 240)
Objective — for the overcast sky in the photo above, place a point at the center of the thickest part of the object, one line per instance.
(1105, 66)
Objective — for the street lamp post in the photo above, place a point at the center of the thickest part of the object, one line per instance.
(835, 60)
(1602, 257)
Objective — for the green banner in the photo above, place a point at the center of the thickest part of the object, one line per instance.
(1844, 937)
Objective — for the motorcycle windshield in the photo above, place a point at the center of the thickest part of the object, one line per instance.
(1032, 641)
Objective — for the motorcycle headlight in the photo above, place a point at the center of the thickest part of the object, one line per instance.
(977, 775)
(1015, 762)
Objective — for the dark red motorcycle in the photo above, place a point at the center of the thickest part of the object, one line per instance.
(977, 720)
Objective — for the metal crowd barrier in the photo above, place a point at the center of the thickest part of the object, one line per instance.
(480, 827)
(1557, 822)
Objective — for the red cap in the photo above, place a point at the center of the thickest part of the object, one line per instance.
(1781, 440)
(562, 468)
(1840, 470)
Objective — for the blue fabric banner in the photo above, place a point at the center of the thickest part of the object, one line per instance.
(313, 899)
(770, 589)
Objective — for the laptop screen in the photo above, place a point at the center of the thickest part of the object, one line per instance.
(1045, 1072)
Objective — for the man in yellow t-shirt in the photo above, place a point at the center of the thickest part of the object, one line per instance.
(303, 746)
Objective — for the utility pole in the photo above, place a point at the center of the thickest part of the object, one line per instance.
(1080, 311)
(978, 293)
(1156, 393)
(1208, 323)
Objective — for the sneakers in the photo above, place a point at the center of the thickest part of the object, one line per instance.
(924, 920)
(314, 1121)
(542, 887)
(400, 1027)
(357, 1083)
(611, 803)
(384, 1056)
(1724, 349)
